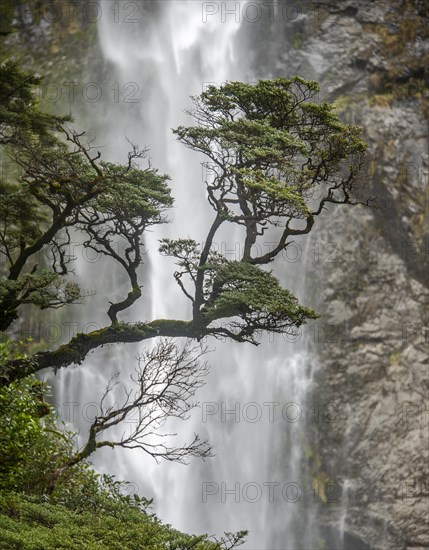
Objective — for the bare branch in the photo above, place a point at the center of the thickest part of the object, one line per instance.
(165, 383)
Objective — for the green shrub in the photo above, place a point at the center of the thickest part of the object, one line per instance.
(22, 407)
(26, 524)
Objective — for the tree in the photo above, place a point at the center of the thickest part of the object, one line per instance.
(270, 147)
(165, 381)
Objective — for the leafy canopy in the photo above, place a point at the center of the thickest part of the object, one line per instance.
(60, 185)
(270, 148)
(276, 158)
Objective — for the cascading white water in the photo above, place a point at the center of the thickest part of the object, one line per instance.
(171, 53)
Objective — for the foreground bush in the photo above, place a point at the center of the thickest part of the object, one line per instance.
(29, 524)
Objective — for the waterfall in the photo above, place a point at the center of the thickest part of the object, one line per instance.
(344, 508)
(254, 406)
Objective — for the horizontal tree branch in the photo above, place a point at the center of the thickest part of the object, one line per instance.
(75, 351)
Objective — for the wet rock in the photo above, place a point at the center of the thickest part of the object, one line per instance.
(376, 292)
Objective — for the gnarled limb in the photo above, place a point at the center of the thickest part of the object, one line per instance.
(75, 351)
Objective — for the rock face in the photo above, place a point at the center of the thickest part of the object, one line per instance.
(369, 269)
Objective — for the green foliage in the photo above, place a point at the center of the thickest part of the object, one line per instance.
(44, 289)
(20, 427)
(239, 290)
(272, 146)
(31, 447)
(60, 183)
(256, 297)
(187, 253)
(31, 524)
(21, 212)
(279, 146)
(133, 194)
(272, 149)
(269, 189)
(18, 108)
